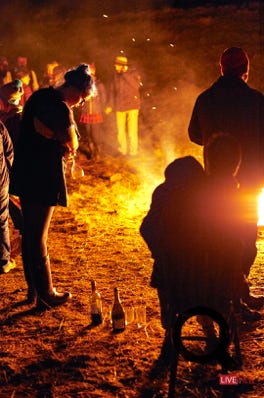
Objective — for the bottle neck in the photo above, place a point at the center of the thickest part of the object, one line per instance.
(93, 284)
(117, 298)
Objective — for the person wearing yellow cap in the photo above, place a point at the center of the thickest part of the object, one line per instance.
(125, 101)
(231, 106)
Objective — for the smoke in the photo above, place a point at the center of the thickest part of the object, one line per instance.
(176, 52)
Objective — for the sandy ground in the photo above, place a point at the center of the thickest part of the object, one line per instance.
(58, 354)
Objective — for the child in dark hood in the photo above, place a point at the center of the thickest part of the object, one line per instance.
(169, 216)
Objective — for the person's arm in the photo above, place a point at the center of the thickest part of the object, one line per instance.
(72, 143)
(69, 141)
(35, 84)
(59, 125)
(194, 129)
(7, 146)
(110, 100)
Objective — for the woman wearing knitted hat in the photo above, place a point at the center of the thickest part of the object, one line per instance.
(10, 95)
(231, 106)
(48, 138)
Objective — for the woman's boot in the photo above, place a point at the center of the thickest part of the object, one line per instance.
(47, 296)
(32, 293)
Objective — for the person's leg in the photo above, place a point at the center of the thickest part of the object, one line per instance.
(250, 230)
(165, 312)
(85, 132)
(34, 242)
(5, 249)
(121, 132)
(15, 213)
(36, 226)
(35, 254)
(250, 249)
(132, 127)
(95, 139)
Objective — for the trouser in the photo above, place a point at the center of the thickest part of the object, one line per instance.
(127, 132)
(5, 249)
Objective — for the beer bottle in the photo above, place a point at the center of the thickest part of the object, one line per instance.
(118, 313)
(96, 305)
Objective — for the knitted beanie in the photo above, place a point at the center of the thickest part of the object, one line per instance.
(234, 61)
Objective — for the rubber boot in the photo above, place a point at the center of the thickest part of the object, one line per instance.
(48, 297)
(28, 272)
(32, 292)
(253, 302)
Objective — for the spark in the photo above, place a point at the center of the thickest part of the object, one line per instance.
(171, 45)
(105, 16)
(133, 39)
(154, 108)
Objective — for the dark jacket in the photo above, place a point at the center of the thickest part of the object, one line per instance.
(171, 220)
(6, 156)
(38, 174)
(124, 91)
(231, 106)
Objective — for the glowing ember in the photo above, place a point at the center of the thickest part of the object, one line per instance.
(261, 208)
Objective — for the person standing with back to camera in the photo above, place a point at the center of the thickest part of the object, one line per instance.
(91, 142)
(48, 138)
(231, 106)
(125, 100)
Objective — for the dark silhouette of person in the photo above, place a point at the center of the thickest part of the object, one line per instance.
(231, 106)
(170, 231)
(195, 232)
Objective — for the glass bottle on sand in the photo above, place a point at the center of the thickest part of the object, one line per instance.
(96, 305)
(118, 313)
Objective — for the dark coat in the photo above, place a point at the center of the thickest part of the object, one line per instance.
(231, 106)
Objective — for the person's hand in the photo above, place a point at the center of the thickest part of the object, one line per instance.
(72, 144)
(108, 110)
(14, 111)
(68, 153)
